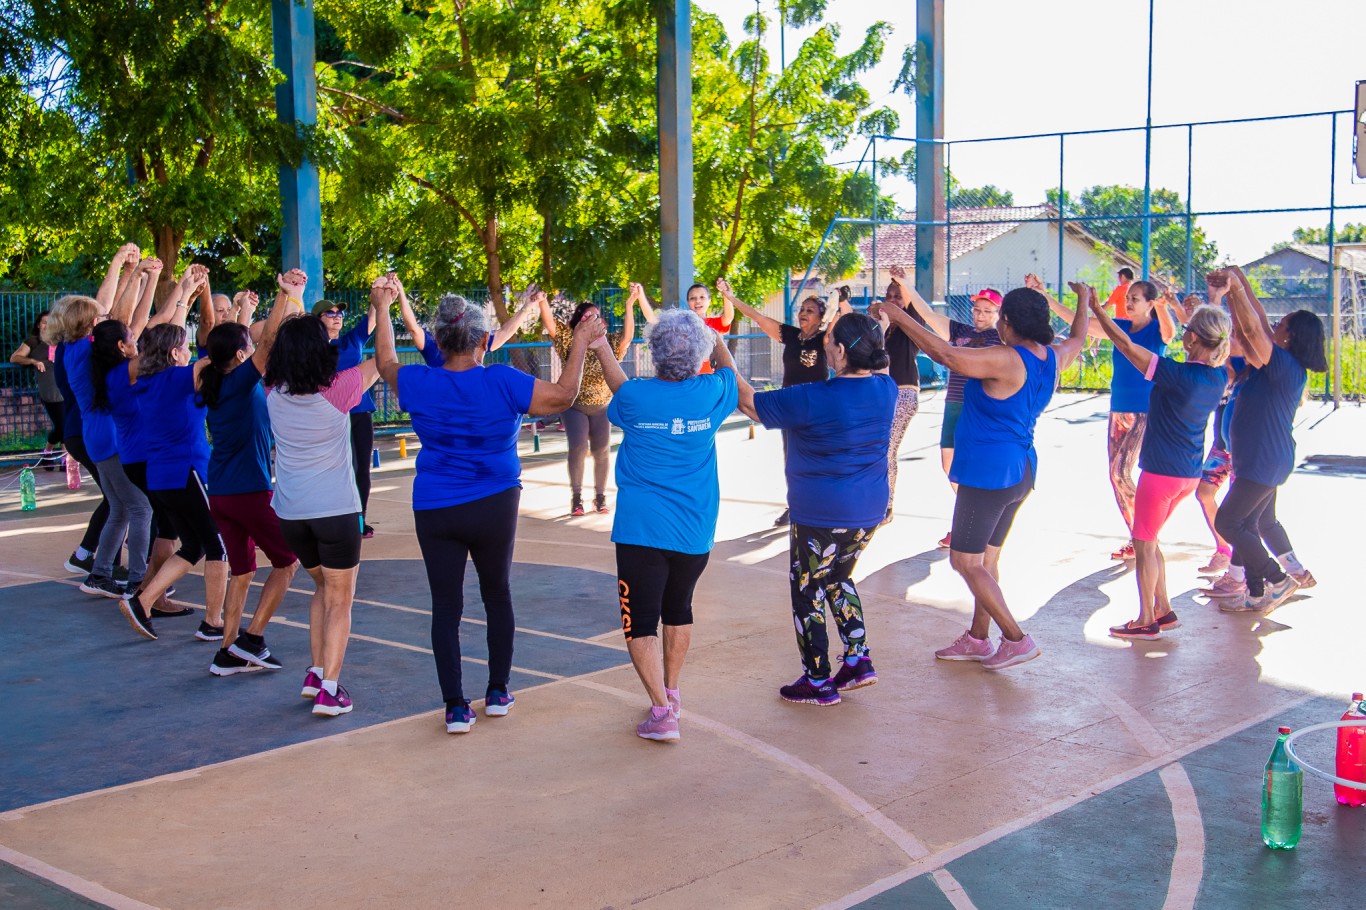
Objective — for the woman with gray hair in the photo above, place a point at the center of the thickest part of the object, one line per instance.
(668, 496)
(468, 483)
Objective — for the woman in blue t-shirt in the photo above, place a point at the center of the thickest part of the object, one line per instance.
(1261, 434)
(994, 459)
(1150, 326)
(1183, 398)
(668, 495)
(468, 482)
(240, 475)
(837, 493)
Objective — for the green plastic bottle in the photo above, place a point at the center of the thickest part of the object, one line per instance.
(1282, 798)
(28, 490)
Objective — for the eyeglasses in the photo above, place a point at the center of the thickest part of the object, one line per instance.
(333, 314)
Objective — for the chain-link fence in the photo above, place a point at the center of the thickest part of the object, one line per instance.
(1269, 194)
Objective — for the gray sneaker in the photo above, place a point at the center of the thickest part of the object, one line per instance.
(1272, 596)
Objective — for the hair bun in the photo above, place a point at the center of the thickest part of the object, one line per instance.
(880, 359)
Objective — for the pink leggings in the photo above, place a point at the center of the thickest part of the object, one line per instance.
(1158, 496)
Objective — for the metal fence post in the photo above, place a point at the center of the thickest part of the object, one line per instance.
(1062, 158)
(1333, 262)
(1190, 219)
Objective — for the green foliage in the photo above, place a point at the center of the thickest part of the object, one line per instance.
(1342, 233)
(1097, 207)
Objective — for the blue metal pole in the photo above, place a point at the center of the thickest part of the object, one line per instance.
(1190, 219)
(1148, 158)
(296, 103)
(1062, 151)
(1335, 380)
(930, 204)
(873, 282)
(675, 150)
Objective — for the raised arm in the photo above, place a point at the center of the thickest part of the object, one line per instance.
(547, 315)
(1164, 316)
(288, 298)
(405, 311)
(553, 397)
(611, 366)
(116, 277)
(128, 291)
(509, 329)
(724, 361)
(767, 324)
(1135, 353)
(1069, 349)
(1249, 323)
(1258, 310)
(937, 322)
(974, 363)
(628, 331)
(205, 306)
(727, 312)
(151, 269)
(1061, 310)
(382, 294)
(648, 311)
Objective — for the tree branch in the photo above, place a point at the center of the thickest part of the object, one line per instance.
(449, 200)
(397, 115)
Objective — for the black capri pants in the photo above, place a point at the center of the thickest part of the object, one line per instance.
(188, 511)
(332, 542)
(656, 585)
(162, 529)
(982, 518)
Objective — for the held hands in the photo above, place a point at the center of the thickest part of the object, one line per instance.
(384, 291)
(1034, 284)
(590, 330)
(1086, 296)
(637, 291)
(292, 283)
(898, 274)
(245, 300)
(723, 287)
(128, 256)
(151, 265)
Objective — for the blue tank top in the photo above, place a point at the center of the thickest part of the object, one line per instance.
(1129, 390)
(994, 442)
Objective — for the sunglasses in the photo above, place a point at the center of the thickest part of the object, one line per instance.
(333, 314)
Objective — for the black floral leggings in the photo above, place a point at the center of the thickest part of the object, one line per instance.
(823, 561)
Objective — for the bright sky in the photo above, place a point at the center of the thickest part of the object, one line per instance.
(1013, 68)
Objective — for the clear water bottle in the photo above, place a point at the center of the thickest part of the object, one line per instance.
(73, 473)
(28, 490)
(1351, 763)
(1282, 798)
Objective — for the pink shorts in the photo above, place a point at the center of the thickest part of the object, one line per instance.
(1158, 496)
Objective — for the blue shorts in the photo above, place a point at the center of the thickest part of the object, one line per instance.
(952, 411)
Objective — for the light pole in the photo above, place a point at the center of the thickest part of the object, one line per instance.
(1148, 158)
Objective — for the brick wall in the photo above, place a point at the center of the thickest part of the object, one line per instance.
(22, 414)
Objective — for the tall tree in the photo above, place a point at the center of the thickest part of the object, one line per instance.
(1097, 209)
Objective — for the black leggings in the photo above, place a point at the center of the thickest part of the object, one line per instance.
(162, 528)
(75, 447)
(484, 530)
(188, 510)
(1246, 517)
(54, 414)
(983, 518)
(588, 429)
(362, 448)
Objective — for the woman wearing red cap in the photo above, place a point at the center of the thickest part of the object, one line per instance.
(981, 333)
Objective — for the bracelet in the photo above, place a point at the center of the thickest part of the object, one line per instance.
(180, 306)
(289, 299)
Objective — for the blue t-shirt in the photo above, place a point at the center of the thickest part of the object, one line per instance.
(839, 431)
(97, 424)
(1262, 430)
(123, 402)
(1184, 395)
(431, 352)
(1128, 389)
(468, 422)
(71, 411)
(668, 490)
(1237, 365)
(350, 352)
(240, 427)
(176, 442)
(994, 441)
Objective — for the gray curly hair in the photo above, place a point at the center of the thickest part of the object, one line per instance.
(678, 340)
(461, 326)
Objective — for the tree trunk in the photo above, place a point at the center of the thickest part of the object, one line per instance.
(495, 264)
(168, 241)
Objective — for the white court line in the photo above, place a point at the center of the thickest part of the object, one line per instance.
(71, 882)
(963, 848)
(907, 842)
(1188, 863)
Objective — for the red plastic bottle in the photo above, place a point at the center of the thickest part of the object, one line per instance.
(1352, 755)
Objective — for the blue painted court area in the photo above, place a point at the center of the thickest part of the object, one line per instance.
(92, 705)
(1115, 849)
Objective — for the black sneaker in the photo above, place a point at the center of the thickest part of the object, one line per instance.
(168, 614)
(121, 574)
(103, 586)
(783, 519)
(206, 632)
(225, 663)
(75, 564)
(137, 617)
(252, 648)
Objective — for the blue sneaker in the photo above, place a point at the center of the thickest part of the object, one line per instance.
(498, 702)
(459, 718)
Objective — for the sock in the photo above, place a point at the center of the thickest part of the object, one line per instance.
(852, 659)
(1237, 573)
(316, 671)
(818, 682)
(671, 693)
(1290, 562)
(83, 553)
(658, 713)
(330, 686)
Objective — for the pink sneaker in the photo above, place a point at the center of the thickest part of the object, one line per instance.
(1304, 579)
(313, 684)
(675, 698)
(967, 648)
(1224, 586)
(1011, 653)
(661, 728)
(1218, 564)
(331, 705)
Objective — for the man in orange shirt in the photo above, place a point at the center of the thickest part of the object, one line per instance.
(1116, 298)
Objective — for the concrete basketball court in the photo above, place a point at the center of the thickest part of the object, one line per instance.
(1105, 773)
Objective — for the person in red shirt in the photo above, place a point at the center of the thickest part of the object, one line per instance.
(1116, 299)
(699, 301)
